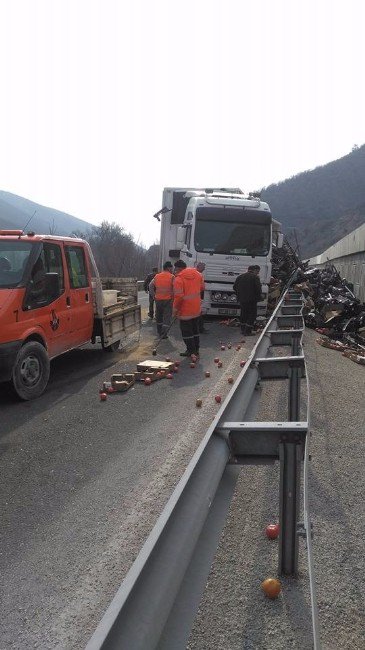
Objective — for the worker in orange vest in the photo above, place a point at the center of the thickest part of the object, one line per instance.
(161, 288)
(187, 305)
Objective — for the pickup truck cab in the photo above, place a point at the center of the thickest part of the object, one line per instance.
(51, 301)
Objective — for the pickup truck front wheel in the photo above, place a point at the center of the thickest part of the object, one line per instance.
(31, 371)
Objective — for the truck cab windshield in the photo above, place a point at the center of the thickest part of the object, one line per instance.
(231, 232)
(14, 256)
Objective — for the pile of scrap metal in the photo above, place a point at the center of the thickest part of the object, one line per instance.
(333, 311)
(285, 262)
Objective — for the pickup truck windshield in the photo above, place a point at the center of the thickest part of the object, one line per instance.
(231, 232)
(14, 256)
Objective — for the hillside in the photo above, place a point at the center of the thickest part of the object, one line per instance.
(323, 204)
(15, 211)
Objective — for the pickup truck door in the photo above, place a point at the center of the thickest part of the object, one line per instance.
(80, 302)
(45, 305)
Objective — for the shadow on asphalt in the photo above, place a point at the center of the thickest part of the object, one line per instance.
(70, 372)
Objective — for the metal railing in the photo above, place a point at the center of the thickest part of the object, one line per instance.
(156, 604)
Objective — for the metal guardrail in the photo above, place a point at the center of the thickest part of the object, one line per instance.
(156, 604)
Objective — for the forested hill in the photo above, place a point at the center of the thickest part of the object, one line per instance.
(323, 204)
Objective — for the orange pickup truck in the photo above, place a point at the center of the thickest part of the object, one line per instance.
(52, 301)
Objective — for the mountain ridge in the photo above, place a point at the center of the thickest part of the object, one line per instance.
(322, 204)
(15, 212)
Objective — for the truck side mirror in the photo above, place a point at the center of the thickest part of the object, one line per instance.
(280, 240)
(180, 238)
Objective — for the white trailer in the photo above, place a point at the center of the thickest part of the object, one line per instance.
(226, 230)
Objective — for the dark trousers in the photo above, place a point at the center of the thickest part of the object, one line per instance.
(150, 310)
(190, 334)
(163, 315)
(248, 316)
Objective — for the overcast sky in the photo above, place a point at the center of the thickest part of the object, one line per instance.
(105, 102)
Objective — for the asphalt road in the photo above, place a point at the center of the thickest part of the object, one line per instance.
(83, 481)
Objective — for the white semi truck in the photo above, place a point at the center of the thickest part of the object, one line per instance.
(226, 230)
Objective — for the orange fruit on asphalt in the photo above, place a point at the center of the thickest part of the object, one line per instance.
(271, 587)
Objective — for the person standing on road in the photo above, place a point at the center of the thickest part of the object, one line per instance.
(188, 286)
(247, 287)
(201, 268)
(161, 289)
(146, 286)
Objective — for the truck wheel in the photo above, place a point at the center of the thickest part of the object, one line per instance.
(113, 347)
(31, 371)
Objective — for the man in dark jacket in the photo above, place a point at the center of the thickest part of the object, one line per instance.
(146, 286)
(247, 287)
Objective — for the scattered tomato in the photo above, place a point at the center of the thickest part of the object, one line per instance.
(169, 376)
(272, 531)
(230, 380)
(242, 363)
(192, 365)
(223, 347)
(219, 364)
(103, 397)
(271, 587)
(218, 399)
(216, 359)
(147, 381)
(207, 373)
(199, 402)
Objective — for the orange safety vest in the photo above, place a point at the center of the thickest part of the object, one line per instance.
(163, 285)
(187, 287)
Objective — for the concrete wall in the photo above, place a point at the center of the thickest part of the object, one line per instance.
(348, 256)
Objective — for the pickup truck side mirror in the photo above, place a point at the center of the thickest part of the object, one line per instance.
(53, 286)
